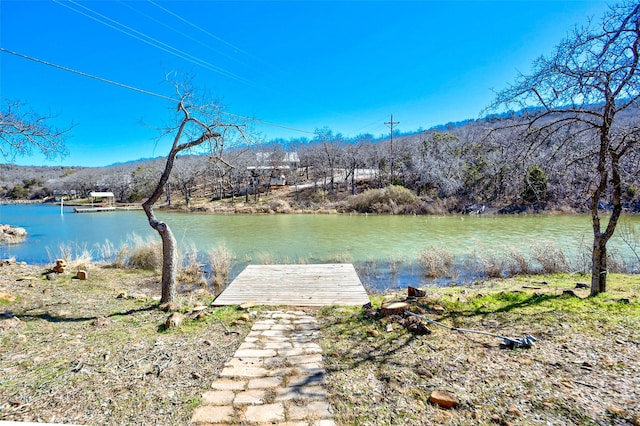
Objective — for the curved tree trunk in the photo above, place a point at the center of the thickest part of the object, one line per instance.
(169, 255)
(169, 245)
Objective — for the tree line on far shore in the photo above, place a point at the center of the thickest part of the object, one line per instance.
(466, 167)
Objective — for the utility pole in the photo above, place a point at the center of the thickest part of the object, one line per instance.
(390, 124)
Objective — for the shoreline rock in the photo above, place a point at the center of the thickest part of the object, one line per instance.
(12, 234)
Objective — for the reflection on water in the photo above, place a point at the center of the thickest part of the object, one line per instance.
(385, 249)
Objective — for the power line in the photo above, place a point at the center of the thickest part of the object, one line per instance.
(135, 89)
(183, 34)
(138, 35)
(221, 40)
(84, 74)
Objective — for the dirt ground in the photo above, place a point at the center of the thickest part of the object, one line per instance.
(97, 352)
(584, 368)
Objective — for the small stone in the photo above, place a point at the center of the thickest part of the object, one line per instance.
(122, 295)
(245, 317)
(195, 375)
(615, 410)
(417, 326)
(567, 384)
(201, 315)
(169, 307)
(52, 276)
(415, 292)
(389, 327)
(6, 297)
(175, 320)
(101, 322)
(137, 296)
(246, 305)
(514, 411)
(373, 332)
(443, 398)
(438, 308)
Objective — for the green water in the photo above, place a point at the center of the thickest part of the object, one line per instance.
(372, 240)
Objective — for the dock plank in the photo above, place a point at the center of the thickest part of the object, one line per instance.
(296, 285)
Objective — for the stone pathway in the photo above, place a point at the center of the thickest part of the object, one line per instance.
(275, 377)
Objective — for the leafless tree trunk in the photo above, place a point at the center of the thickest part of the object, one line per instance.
(592, 76)
(196, 132)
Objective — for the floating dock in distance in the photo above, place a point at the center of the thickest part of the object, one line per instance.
(93, 209)
(296, 285)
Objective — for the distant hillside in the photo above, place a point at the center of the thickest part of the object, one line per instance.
(470, 165)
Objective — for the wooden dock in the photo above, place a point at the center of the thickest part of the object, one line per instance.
(296, 285)
(94, 209)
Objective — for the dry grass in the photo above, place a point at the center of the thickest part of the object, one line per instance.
(191, 270)
(73, 352)
(582, 370)
(221, 260)
(436, 261)
(392, 199)
(145, 254)
(550, 257)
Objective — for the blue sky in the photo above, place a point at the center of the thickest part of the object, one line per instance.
(302, 65)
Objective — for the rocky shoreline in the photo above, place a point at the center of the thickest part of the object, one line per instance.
(12, 234)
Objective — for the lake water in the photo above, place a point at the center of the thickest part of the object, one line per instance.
(385, 249)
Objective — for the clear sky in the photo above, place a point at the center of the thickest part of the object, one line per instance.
(303, 65)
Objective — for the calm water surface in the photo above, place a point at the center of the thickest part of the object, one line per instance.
(368, 241)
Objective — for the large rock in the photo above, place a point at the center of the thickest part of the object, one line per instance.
(12, 234)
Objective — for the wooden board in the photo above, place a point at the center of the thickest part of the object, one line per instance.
(296, 285)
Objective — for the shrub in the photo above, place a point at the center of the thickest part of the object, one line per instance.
(550, 257)
(518, 263)
(392, 199)
(145, 254)
(493, 265)
(436, 262)
(220, 259)
(191, 271)
(113, 257)
(279, 206)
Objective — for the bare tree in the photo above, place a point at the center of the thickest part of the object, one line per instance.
(22, 130)
(198, 123)
(591, 77)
